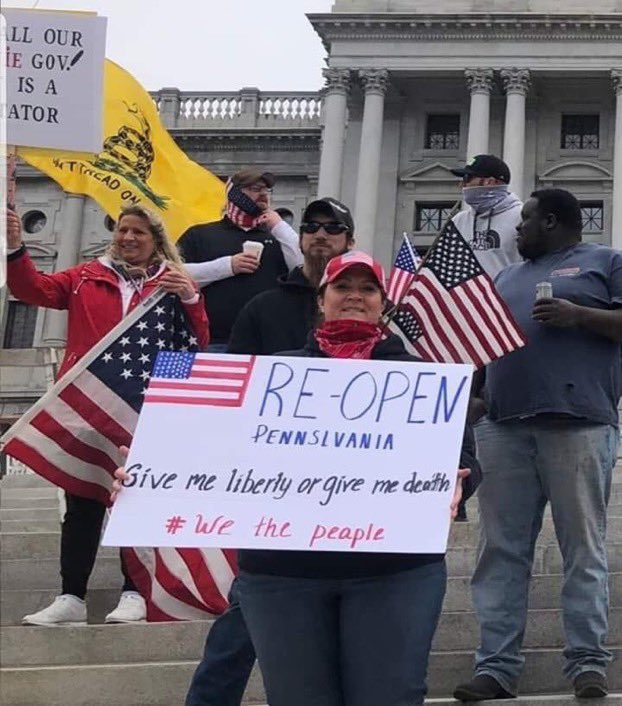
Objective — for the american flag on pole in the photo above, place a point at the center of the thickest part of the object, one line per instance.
(199, 378)
(403, 272)
(72, 434)
(452, 312)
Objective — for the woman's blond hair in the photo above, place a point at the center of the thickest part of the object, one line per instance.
(165, 250)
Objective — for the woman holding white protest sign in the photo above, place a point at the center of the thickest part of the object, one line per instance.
(336, 628)
(97, 295)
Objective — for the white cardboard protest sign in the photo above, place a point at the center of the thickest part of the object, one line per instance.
(54, 79)
(294, 453)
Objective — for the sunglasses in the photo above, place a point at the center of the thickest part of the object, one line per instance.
(330, 228)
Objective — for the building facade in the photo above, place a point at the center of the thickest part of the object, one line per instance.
(412, 88)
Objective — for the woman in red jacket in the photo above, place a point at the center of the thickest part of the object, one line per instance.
(97, 295)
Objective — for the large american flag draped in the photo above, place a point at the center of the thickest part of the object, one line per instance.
(403, 271)
(452, 312)
(72, 434)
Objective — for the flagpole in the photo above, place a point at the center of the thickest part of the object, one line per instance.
(388, 316)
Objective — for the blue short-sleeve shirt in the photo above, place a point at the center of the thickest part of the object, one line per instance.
(568, 371)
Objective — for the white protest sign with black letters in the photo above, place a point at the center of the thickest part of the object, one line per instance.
(54, 72)
(294, 453)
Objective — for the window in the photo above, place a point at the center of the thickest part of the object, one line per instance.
(34, 221)
(580, 132)
(109, 224)
(442, 132)
(21, 320)
(431, 217)
(592, 216)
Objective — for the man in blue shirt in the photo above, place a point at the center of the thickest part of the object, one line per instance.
(550, 435)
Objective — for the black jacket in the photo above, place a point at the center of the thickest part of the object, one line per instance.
(277, 319)
(337, 565)
(225, 298)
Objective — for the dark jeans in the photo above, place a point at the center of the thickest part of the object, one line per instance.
(353, 642)
(228, 658)
(79, 542)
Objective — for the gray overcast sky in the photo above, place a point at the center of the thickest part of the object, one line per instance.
(209, 45)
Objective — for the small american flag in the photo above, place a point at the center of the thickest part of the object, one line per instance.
(72, 434)
(403, 272)
(452, 312)
(200, 378)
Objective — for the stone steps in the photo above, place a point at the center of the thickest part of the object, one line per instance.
(29, 525)
(19, 573)
(544, 594)
(50, 512)
(24, 502)
(26, 480)
(166, 682)
(135, 665)
(104, 644)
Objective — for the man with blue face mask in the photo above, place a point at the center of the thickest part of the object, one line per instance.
(489, 224)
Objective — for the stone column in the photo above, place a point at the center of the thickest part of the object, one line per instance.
(375, 82)
(170, 103)
(479, 82)
(54, 328)
(616, 221)
(334, 107)
(516, 84)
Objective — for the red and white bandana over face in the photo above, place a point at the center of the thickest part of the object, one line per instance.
(348, 338)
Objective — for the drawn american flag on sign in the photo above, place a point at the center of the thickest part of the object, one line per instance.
(452, 312)
(199, 378)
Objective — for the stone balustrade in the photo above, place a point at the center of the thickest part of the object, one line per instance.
(247, 108)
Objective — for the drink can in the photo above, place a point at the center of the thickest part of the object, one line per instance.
(544, 290)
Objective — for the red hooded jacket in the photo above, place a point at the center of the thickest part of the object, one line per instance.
(91, 295)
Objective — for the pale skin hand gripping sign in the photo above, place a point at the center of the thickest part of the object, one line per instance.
(294, 453)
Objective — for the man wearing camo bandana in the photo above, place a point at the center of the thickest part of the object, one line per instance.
(215, 256)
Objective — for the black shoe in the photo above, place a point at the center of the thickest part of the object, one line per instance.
(590, 685)
(481, 688)
(461, 515)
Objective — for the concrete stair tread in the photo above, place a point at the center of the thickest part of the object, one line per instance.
(102, 644)
(544, 594)
(165, 683)
(24, 573)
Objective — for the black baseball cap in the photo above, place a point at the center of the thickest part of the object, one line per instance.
(485, 165)
(330, 207)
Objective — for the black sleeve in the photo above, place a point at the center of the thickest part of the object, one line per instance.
(246, 334)
(187, 247)
(468, 459)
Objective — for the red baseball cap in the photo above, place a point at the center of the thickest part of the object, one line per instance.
(340, 264)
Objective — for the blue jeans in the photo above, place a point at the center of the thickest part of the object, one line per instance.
(228, 658)
(527, 464)
(350, 642)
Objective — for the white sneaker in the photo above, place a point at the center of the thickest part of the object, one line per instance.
(65, 610)
(131, 609)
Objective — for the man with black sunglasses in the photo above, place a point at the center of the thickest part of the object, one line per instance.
(276, 320)
(279, 319)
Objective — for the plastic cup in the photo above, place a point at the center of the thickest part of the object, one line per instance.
(253, 247)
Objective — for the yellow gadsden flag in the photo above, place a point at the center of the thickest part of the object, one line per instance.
(140, 162)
